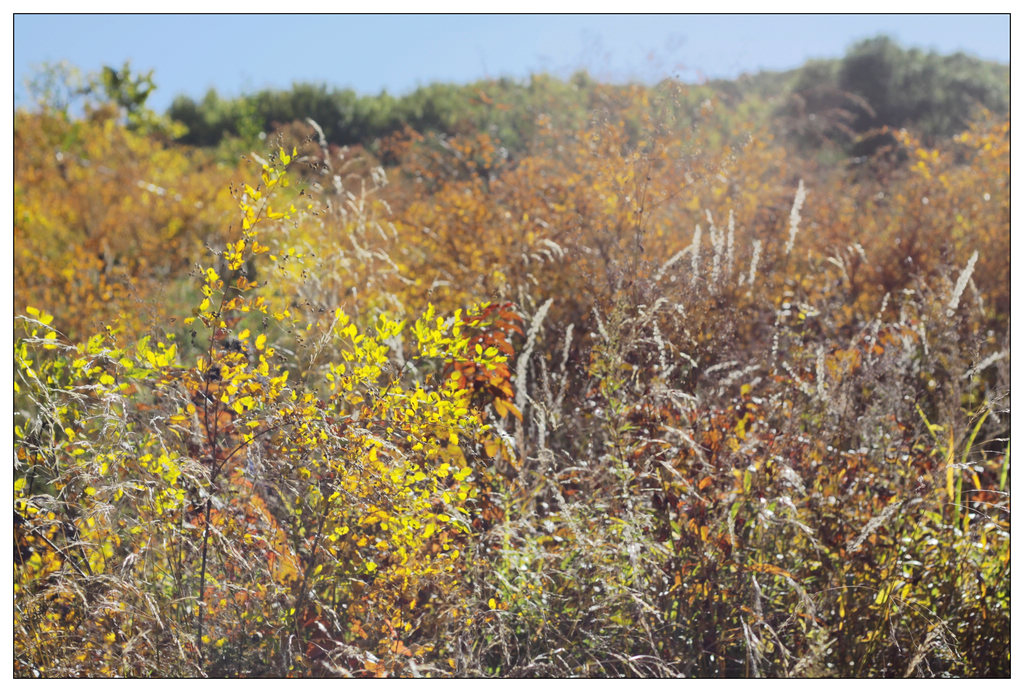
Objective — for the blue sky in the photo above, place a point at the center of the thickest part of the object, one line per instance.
(238, 53)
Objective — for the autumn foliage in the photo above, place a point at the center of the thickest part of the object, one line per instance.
(654, 396)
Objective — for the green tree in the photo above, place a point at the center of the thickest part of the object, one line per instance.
(129, 92)
(936, 94)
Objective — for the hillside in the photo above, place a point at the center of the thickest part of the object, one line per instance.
(877, 84)
(541, 379)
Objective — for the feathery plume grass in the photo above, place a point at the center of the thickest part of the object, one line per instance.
(523, 361)
(754, 258)
(961, 284)
(730, 245)
(794, 215)
(695, 256)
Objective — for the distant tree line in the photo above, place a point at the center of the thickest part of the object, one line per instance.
(877, 83)
(504, 107)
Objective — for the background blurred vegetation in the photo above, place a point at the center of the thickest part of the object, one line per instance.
(876, 84)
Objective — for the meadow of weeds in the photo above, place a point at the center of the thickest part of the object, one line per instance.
(658, 395)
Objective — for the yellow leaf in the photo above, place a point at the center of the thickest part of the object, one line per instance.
(515, 411)
(501, 406)
(950, 468)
